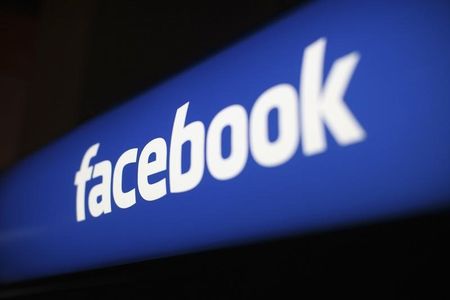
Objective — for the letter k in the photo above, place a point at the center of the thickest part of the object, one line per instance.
(324, 104)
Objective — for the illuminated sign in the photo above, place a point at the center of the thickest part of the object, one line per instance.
(336, 114)
(319, 106)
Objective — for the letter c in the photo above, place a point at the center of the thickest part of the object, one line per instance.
(121, 198)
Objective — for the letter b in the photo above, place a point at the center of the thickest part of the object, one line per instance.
(181, 133)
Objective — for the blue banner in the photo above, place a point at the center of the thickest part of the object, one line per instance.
(336, 114)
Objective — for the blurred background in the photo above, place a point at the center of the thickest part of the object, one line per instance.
(64, 62)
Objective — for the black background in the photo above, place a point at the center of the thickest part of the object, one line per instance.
(401, 259)
(64, 62)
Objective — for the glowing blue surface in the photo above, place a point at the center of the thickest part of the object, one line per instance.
(400, 93)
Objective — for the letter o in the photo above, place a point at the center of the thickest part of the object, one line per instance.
(282, 97)
(222, 168)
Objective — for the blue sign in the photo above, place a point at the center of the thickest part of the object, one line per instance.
(334, 115)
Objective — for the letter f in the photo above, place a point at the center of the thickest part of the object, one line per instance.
(81, 177)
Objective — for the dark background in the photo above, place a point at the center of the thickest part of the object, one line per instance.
(64, 62)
